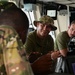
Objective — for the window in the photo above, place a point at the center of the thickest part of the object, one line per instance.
(30, 16)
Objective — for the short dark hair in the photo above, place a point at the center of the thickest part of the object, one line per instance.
(16, 18)
(73, 22)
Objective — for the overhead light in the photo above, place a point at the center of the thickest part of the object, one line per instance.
(47, 0)
(29, 7)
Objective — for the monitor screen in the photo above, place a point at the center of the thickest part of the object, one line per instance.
(52, 13)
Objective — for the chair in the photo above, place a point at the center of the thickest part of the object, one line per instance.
(70, 59)
(66, 65)
(60, 64)
(70, 64)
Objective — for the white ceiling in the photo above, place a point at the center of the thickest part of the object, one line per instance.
(65, 2)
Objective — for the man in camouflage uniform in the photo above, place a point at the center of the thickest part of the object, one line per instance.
(12, 53)
(13, 26)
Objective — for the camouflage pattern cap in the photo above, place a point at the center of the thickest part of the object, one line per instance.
(46, 20)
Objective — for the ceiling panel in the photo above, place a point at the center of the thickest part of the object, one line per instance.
(65, 2)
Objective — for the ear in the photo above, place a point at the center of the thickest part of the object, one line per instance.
(35, 22)
(68, 26)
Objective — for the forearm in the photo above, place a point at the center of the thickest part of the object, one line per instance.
(43, 64)
(64, 52)
(55, 55)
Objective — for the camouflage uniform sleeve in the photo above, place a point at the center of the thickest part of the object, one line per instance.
(12, 54)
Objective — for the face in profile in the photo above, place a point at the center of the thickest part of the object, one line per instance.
(17, 19)
(71, 30)
(23, 33)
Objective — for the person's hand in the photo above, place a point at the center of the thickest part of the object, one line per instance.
(34, 56)
(43, 64)
(55, 55)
